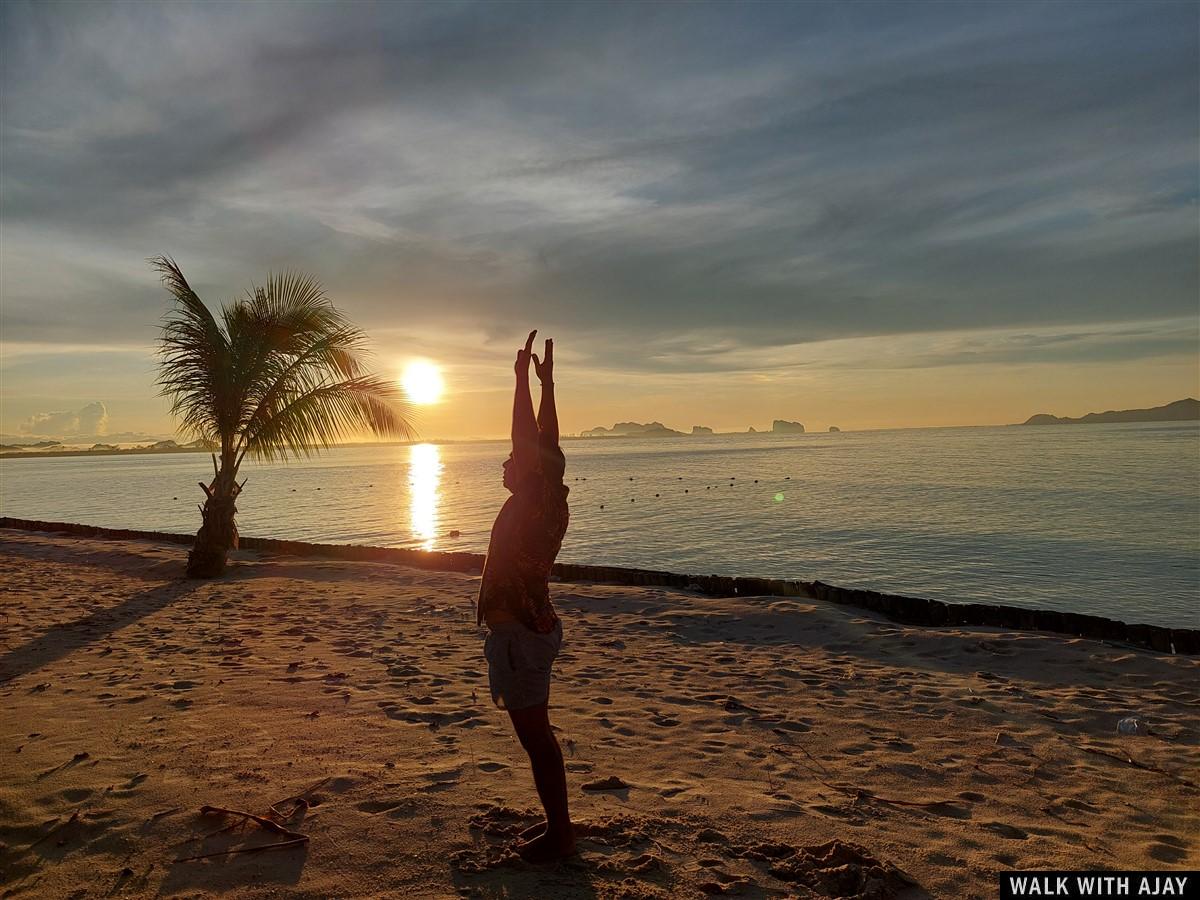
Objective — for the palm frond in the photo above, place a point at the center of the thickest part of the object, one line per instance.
(194, 359)
(320, 415)
(290, 318)
(336, 354)
(281, 372)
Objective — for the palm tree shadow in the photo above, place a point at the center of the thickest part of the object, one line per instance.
(68, 637)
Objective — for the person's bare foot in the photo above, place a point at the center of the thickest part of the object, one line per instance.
(548, 846)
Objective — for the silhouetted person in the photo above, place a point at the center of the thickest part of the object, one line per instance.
(524, 633)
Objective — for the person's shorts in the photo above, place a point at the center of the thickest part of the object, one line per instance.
(519, 662)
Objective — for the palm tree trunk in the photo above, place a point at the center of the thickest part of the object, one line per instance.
(218, 531)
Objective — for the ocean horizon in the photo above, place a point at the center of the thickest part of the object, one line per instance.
(1098, 519)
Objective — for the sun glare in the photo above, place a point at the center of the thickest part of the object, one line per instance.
(424, 476)
(423, 382)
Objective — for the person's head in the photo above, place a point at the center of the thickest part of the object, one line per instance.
(510, 475)
(551, 465)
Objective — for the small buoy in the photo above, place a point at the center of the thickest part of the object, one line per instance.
(1131, 725)
(630, 499)
(631, 478)
(656, 495)
(318, 489)
(174, 498)
(456, 533)
(756, 481)
(602, 506)
(685, 490)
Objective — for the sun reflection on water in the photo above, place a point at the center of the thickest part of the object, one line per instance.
(424, 476)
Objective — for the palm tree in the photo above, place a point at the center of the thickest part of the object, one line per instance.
(278, 374)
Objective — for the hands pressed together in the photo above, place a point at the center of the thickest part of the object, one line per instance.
(544, 367)
(527, 429)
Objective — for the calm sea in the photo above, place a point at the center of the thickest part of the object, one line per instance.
(1103, 519)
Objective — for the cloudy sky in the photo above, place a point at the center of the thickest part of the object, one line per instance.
(862, 214)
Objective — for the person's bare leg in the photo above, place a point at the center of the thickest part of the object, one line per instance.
(550, 778)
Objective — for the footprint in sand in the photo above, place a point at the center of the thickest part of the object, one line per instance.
(1006, 831)
(490, 766)
(611, 783)
(1166, 853)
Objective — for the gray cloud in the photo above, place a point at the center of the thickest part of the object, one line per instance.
(716, 353)
(759, 176)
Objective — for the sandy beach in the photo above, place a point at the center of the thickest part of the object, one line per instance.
(753, 746)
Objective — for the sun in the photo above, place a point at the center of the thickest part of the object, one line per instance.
(423, 382)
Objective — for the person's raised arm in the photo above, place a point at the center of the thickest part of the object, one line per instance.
(547, 418)
(524, 425)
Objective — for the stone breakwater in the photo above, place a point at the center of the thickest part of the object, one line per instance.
(909, 610)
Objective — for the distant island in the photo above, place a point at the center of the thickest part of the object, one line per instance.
(779, 426)
(57, 448)
(633, 429)
(1180, 411)
(658, 429)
